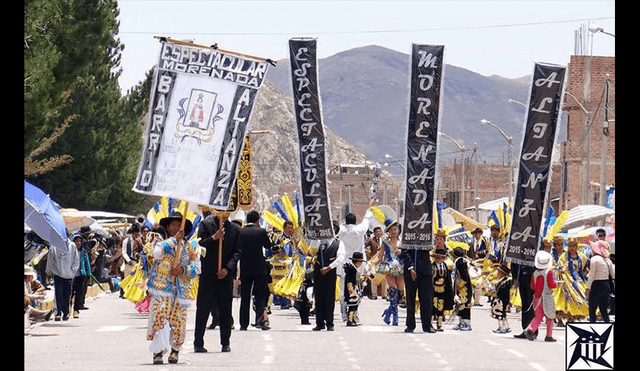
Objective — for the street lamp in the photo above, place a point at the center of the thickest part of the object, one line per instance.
(509, 154)
(513, 101)
(395, 160)
(461, 148)
(595, 29)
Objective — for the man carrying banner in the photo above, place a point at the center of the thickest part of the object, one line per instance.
(418, 278)
(170, 288)
(533, 181)
(353, 237)
(328, 258)
(215, 289)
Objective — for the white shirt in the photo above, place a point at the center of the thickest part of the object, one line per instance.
(352, 235)
(599, 269)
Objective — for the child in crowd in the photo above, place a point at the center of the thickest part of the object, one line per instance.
(351, 287)
(442, 287)
(500, 304)
(542, 284)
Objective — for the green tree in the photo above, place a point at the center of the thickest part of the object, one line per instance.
(73, 43)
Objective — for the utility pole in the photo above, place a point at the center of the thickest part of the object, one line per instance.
(605, 147)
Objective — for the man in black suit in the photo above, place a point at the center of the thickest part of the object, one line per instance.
(216, 286)
(324, 280)
(418, 277)
(253, 270)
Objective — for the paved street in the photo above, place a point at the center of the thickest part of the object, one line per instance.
(111, 336)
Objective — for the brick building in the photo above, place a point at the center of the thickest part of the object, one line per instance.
(571, 184)
(585, 90)
(350, 189)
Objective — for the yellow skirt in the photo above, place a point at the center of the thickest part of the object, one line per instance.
(134, 286)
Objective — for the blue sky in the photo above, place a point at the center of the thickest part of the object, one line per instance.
(488, 37)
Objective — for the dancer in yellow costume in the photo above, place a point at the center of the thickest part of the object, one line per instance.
(570, 297)
(134, 285)
(176, 265)
(291, 254)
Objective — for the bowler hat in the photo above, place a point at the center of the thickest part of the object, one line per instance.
(357, 256)
(164, 222)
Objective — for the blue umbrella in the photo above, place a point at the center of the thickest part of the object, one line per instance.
(43, 216)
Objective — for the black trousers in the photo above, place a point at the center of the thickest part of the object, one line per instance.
(325, 294)
(526, 296)
(256, 284)
(423, 286)
(62, 287)
(213, 292)
(599, 299)
(79, 291)
(302, 304)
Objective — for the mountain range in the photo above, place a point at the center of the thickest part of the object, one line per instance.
(365, 98)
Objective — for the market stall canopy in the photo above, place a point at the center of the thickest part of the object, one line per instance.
(587, 215)
(42, 215)
(74, 219)
(469, 223)
(99, 221)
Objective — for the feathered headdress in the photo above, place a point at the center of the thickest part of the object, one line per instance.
(284, 212)
(502, 218)
(168, 206)
(556, 226)
(384, 215)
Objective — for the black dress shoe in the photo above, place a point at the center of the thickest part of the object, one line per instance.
(226, 349)
(330, 328)
(529, 335)
(199, 349)
(318, 328)
(430, 330)
(243, 329)
(520, 336)
(408, 330)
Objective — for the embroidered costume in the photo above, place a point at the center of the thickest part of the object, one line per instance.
(170, 294)
(463, 290)
(442, 287)
(500, 303)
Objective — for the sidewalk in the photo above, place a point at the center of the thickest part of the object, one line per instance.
(49, 299)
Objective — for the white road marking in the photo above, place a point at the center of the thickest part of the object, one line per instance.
(516, 353)
(111, 328)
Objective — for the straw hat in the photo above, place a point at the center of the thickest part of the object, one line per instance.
(542, 260)
(29, 271)
(600, 248)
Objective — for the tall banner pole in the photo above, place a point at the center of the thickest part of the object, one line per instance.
(427, 64)
(534, 170)
(311, 139)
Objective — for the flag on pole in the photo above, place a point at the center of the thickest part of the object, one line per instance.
(200, 105)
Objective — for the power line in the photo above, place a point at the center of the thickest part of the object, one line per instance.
(367, 31)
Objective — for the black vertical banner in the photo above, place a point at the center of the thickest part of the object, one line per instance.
(534, 171)
(163, 82)
(427, 63)
(232, 146)
(306, 101)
